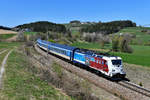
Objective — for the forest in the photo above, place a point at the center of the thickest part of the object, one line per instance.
(108, 27)
(43, 26)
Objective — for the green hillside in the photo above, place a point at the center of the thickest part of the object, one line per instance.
(142, 34)
(6, 36)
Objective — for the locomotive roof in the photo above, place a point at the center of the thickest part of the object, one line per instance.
(91, 52)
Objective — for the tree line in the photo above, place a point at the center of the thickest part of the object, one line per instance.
(5, 28)
(43, 26)
(108, 27)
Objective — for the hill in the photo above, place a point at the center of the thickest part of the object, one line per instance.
(7, 35)
(2, 31)
(108, 27)
(141, 35)
(5, 28)
(43, 26)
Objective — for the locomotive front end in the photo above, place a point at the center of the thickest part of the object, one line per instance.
(116, 67)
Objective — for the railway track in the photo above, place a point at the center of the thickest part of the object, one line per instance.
(124, 89)
(135, 87)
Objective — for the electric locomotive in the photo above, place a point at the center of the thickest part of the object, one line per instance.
(110, 66)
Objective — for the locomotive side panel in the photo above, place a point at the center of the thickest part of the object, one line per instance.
(79, 57)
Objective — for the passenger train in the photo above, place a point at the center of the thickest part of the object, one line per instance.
(110, 66)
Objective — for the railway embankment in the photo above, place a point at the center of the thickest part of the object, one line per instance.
(70, 83)
(109, 86)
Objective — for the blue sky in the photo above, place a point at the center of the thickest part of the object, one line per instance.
(15, 12)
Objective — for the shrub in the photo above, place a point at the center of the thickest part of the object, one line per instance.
(121, 43)
(124, 44)
(140, 84)
(21, 36)
(115, 44)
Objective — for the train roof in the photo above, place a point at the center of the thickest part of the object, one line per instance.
(83, 51)
(58, 45)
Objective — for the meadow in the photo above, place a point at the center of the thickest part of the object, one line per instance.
(19, 83)
(9, 44)
(30, 33)
(6, 36)
(87, 45)
(142, 37)
(140, 55)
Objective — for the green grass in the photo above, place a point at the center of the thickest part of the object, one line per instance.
(140, 56)
(140, 36)
(87, 45)
(21, 84)
(9, 44)
(30, 33)
(6, 36)
(2, 57)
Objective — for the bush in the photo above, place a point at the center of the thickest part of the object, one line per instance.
(21, 36)
(140, 84)
(115, 44)
(124, 44)
(121, 43)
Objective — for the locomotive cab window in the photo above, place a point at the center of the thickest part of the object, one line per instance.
(116, 62)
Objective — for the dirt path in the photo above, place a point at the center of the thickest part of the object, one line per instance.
(14, 38)
(3, 67)
(3, 51)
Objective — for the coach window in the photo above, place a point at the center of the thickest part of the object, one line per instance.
(102, 62)
(99, 61)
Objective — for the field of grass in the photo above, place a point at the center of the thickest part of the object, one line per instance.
(140, 55)
(87, 45)
(6, 36)
(30, 33)
(9, 44)
(2, 57)
(21, 84)
(142, 37)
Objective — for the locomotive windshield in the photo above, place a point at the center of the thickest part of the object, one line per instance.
(116, 62)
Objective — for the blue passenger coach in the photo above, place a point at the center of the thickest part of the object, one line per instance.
(65, 51)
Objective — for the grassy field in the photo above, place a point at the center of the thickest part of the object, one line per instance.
(142, 37)
(30, 33)
(87, 45)
(2, 56)
(9, 44)
(21, 84)
(6, 36)
(140, 56)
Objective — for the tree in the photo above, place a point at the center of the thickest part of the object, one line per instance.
(21, 37)
(115, 45)
(109, 27)
(121, 43)
(43, 26)
(124, 44)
